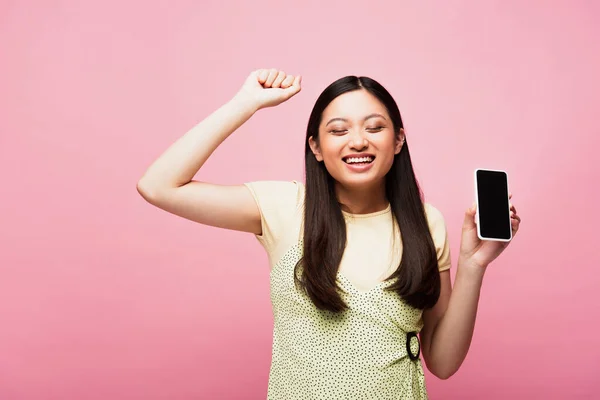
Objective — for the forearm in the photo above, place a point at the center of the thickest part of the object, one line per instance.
(182, 160)
(452, 336)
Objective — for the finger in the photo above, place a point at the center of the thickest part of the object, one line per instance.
(295, 88)
(469, 222)
(262, 75)
(280, 77)
(272, 75)
(513, 208)
(287, 82)
(515, 225)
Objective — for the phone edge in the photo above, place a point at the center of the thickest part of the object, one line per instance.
(477, 204)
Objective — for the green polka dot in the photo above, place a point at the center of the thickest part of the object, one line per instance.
(357, 354)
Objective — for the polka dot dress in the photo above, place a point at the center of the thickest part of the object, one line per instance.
(361, 353)
(357, 354)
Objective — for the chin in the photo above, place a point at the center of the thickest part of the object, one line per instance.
(359, 181)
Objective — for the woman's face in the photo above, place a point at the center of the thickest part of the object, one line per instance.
(356, 140)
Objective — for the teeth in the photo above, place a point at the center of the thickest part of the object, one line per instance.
(359, 160)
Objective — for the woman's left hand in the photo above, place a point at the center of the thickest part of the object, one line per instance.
(482, 252)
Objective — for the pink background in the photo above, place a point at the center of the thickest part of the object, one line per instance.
(103, 296)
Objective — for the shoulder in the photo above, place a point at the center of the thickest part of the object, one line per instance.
(280, 194)
(281, 208)
(434, 215)
(275, 186)
(436, 222)
(439, 234)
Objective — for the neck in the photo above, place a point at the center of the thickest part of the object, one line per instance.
(362, 200)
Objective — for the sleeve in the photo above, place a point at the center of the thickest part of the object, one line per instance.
(279, 203)
(439, 234)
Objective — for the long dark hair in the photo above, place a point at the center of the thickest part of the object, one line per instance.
(324, 238)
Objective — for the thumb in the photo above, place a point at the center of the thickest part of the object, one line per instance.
(469, 222)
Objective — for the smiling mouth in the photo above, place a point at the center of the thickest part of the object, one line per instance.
(359, 160)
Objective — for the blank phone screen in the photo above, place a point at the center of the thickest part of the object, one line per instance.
(494, 213)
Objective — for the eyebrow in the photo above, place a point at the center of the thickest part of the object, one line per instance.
(345, 120)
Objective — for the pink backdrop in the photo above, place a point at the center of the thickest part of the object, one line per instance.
(103, 296)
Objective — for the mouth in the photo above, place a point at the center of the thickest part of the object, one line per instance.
(359, 159)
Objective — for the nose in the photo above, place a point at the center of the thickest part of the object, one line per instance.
(357, 141)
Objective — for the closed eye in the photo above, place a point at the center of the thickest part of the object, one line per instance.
(338, 131)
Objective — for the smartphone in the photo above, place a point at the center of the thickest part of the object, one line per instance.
(493, 206)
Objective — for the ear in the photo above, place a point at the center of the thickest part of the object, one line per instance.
(399, 141)
(315, 148)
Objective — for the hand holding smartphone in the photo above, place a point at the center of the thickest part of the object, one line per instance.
(493, 205)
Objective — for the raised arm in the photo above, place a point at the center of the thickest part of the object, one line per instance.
(168, 184)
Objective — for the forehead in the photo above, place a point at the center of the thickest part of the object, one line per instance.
(354, 105)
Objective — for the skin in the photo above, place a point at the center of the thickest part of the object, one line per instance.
(168, 184)
(449, 325)
(368, 128)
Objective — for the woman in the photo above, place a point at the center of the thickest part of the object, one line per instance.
(359, 263)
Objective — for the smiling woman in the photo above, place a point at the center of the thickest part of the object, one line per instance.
(357, 119)
(358, 142)
(359, 262)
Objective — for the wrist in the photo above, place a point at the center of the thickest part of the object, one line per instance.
(245, 101)
(470, 270)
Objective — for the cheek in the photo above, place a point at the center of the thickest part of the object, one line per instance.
(331, 161)
(387, 163)
(330, 150)
(386, 152)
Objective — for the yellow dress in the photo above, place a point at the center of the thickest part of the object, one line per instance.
(361, 353)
